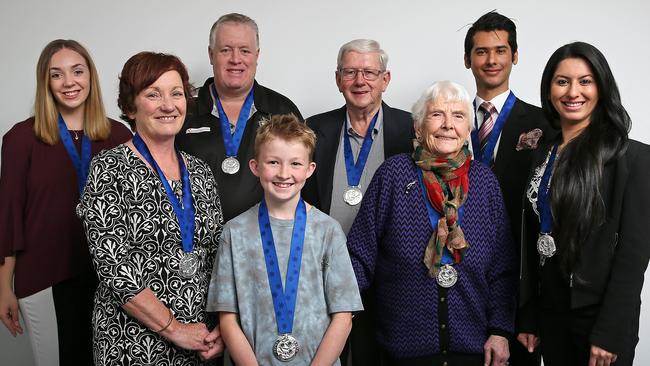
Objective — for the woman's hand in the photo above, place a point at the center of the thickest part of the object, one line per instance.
(530, 341)
(215, 342)
(9, 312)
(496, 351)
(600, 357)
(190, 336)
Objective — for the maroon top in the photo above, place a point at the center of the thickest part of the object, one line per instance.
(38, 197)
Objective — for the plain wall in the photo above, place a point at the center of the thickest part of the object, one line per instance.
(299, 41)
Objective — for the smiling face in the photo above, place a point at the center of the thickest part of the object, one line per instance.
(361, 94)
(444, 128)
(69, 80)
(160, 108)
(491, 61)
(574, 93)
(234, 58)
(283, 167)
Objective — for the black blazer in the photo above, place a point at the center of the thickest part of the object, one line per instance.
(398, 138)
(511, 166)
(612, 261)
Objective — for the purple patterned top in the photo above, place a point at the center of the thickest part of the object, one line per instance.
(387, 243)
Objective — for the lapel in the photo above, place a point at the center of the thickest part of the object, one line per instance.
(394, 133)
(327, 147)
(512, 128)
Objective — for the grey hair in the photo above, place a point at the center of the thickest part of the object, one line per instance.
(362, 46)
(450, 92)
(234, 18)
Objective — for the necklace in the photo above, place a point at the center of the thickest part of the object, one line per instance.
(76, 135)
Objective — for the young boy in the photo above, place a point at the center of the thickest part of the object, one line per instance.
(283, 283)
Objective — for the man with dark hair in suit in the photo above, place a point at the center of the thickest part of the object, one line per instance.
(506, 129)
(352, 141)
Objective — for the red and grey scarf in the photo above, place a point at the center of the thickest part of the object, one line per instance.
(447, 185)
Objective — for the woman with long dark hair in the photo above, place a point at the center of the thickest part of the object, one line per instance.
(584, 250)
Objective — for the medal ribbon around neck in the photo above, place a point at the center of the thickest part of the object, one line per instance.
(284, 300)
(434, 217)
(81, 163)
(184, 213)
(488, 153)
(543, 199)
(354, 170)
(231, 141)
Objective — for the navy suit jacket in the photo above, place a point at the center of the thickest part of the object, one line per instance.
(398, 138)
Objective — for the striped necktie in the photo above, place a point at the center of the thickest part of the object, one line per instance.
(490, 116)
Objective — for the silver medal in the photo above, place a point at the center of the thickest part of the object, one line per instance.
(230, 165)
(286, 347)
(546, 246)
(352, 196)
(447, 276)
(189, 265)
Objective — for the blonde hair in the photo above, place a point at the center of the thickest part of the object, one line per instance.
(46, 112)
(286, 127)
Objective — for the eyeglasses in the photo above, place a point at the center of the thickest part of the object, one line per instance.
(368, 74)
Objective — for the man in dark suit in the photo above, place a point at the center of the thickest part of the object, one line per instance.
(221, 124)
(352, 142)
(507, 129)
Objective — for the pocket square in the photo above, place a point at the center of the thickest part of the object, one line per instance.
(197, 130)
(528, 140)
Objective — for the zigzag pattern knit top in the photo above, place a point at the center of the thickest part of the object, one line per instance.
(387, 243)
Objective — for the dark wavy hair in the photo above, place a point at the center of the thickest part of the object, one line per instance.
(576, 200)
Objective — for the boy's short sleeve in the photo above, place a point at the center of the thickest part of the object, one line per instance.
(222, 295)
(341, 289)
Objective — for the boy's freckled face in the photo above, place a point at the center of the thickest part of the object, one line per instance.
(283, 167)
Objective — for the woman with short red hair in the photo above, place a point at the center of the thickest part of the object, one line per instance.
(153, 219)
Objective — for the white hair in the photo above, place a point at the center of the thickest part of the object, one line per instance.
(362, 46)
(449, 92)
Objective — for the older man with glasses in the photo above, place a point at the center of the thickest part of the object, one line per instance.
(352, 141)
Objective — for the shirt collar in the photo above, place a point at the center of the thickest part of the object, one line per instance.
(215, 111)
(497, 101)
(376, 128)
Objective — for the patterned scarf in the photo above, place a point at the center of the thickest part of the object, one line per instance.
(447, 185)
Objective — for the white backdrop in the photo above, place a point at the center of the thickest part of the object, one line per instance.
(299, 41)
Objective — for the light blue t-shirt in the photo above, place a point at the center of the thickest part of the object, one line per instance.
(240, 285)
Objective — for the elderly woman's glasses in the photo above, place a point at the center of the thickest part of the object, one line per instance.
(351, 74)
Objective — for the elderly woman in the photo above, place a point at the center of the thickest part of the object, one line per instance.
(45, 268)
(432, 236)
(153, 219)
(586, 224)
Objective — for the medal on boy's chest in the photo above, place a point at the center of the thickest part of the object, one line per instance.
(286, 346)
